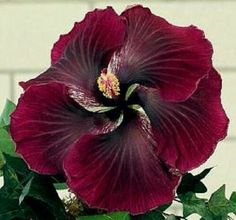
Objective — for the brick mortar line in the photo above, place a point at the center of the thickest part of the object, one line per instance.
(39, 70)
(96, 1)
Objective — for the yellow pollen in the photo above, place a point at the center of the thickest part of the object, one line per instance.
(108, 84)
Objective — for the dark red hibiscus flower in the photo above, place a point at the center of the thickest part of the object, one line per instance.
(129, 104)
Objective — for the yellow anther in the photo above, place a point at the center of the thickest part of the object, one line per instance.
(108, 84)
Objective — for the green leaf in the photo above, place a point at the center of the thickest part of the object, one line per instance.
(39, 209)
(18, 165)
(153, 215)
(9, 209)
(164, 207)
(59, 182)
(203, 174)
(172, 217)
(2, 160)
(9, 193)
(37, 195)
(156, 214)
(42, 189)
(191, 183)
(5, 116)
(109, 216)
(25, 191)
(219, 205)
(6, 143)
(233, 197)
(193, 204)
(213, 217)
(11, 183)
(60, 186)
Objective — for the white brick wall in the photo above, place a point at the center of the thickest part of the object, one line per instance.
(28, 28)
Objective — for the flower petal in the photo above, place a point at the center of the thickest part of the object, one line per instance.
(99, 32)
(80, 56)
(119, 170)
(187, 132)
(47, 122)
(160, 55)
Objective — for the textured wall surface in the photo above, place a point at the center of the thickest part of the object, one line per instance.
(28, 29)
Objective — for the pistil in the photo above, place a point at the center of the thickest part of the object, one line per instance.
(108, 84)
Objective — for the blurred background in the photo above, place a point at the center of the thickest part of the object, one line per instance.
(28, 29)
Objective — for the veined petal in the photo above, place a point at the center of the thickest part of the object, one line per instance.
(160, 55)
(120, 170)
(79, 56)
(187, 132)
(100, 31)
(47, 123)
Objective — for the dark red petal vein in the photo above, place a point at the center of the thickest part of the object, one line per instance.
(119, 170)
(160, 55)
(47, 122)
(79, 56)
(100, 31)
(187, 132)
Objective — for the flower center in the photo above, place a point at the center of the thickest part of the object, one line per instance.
(108, 84)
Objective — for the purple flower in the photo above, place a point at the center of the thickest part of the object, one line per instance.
(82, 117)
